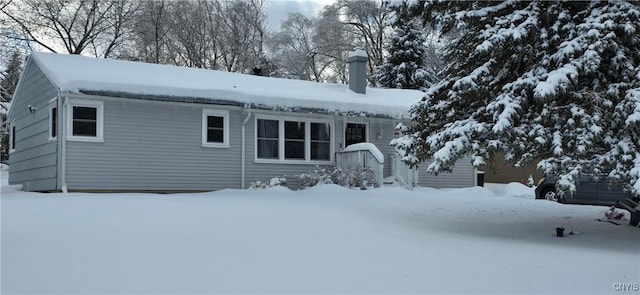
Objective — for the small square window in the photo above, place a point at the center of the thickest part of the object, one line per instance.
(84, 121)
(215, 128)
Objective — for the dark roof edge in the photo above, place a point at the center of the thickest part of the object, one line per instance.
(226, 102)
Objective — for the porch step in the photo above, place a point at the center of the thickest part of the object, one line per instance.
(390, 181)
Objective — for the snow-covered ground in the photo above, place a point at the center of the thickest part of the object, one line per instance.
(325, 239)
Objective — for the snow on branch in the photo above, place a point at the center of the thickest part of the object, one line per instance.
(470, 80)
(483, 12)
(510, 106)
(452, 144)
(635, 174)
(551, 80)
(633, 96)
(556, 80)
(513, 26)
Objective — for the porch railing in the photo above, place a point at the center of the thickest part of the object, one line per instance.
(362, 156)
(404, 175)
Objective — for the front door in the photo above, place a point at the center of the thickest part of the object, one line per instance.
(355, 133)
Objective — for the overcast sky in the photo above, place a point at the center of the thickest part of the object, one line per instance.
(277, 9)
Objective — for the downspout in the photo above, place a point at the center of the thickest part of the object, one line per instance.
(243, 168)
(62, 123)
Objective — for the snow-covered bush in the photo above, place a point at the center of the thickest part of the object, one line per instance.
(351, 177)
(276, 181)
(530, 181)
(354, 177)
(318, 175)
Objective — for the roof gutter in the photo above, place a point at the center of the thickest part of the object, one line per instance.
(244, 143)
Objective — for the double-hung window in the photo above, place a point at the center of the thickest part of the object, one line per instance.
(268, 138)
(215, 128)
(320, 142)
(85, 120)
(293, 140)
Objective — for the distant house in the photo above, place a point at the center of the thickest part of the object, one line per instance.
(83, 123)
(498, 171)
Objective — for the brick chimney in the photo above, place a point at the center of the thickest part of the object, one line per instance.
(358, 70)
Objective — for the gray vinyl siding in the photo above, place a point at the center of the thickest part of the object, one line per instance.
(158, 146)
(463, 175)
(154, 146)
(34, 161)
(386, 128)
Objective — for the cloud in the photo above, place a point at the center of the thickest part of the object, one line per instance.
(277, 10)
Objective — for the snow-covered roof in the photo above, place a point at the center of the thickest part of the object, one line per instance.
(80, 74)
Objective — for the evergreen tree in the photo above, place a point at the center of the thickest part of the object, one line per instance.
(406, 65)
(8, 82)
(10, 76)
(557, 81)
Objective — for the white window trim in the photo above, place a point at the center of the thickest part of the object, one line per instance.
(53, 104)
(12, 134)
(218, 113)
(99, 105)
(281, 140)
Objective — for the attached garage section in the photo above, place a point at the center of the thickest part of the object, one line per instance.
(463, 175)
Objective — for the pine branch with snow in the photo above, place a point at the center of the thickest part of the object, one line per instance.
(557, 81)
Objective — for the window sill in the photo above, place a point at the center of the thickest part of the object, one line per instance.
(85, 138)
(52, 139)
(216, 145)
(293, 162)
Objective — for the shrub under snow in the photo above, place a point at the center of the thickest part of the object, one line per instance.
(276, 181)
(351, 177)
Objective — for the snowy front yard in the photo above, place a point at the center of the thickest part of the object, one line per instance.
(326, 239)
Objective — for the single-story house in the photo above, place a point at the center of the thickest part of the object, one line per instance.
(82, 123)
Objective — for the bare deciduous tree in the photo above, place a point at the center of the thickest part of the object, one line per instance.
(241, 33)
(292, 46)
(333, 44)
(367, 22)
(120, 20)
(338, 29)
(152, 25)
(192, 31)
(212, 34)
(71, 26)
